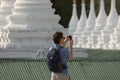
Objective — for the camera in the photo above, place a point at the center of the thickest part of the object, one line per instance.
(70, 37)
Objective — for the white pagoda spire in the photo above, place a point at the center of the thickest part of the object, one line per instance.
(99, 26)
(89, 25)
(91, 18)
(81, 25)
(101, 18)
(109, 28)
(31, 24)
(112, 18)
(82, 21)
(74, 20)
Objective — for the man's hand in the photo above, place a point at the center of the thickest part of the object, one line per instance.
(71, 44)
(66, 38)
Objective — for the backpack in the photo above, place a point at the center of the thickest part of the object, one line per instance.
(54, 60)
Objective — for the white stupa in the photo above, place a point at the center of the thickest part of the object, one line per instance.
(109, 28)
(74, 20)
(89, 25)
(30, 30)
(115, 37)
(31, 25)
(99, 26)
(80, 26)
(5, 10)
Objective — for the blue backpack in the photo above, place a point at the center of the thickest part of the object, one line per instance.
(54, 60)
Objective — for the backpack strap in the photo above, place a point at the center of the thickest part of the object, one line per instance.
(58, 49)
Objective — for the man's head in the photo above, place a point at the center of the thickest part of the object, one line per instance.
(58, 38)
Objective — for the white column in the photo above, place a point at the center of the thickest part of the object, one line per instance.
(31, 24)
(80, 26)
(99, 26)
(109, 28)
(74, 20)
(89, 25)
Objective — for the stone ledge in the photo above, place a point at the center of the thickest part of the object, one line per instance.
(36, 53)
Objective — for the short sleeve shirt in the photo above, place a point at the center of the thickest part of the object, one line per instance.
(64, 55)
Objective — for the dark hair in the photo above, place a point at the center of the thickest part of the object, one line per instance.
(57, 36)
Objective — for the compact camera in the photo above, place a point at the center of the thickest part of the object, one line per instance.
(70, 37)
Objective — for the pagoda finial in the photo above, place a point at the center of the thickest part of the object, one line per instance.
(74, 1)
(82, 1)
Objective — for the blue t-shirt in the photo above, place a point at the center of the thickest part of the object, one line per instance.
(64, 54)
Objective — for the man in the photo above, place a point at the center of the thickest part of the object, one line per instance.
(65, 54)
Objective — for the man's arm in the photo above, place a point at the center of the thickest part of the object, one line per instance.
(67, 38)
(71, 50)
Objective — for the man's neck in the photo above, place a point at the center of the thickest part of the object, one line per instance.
(60, 44)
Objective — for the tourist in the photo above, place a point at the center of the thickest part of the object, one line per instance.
(65, 55)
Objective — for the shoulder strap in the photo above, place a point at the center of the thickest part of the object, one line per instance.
(58, 49)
